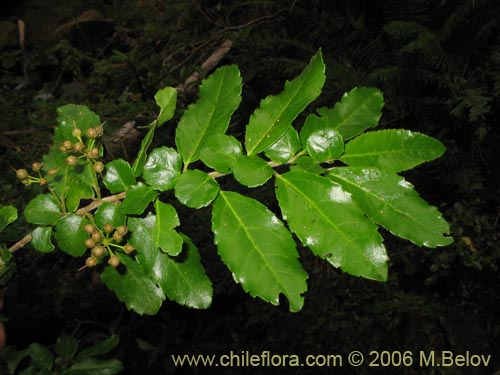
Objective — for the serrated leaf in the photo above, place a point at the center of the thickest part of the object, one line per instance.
(100, 348)
(358, 110)
(321, 141)
(258, 249)
(8, 214)
(92, 366)
(221, 153)
(43, 209)
(271, 120)
(41, 357)
(66, 346)
(252, 171)
(393, 203)
(73, 116)
(324, 218)
(70, 234)
(284, 148)
(133, 287)
(119, 176)
(219, 96)
(183, 280)
(139, 196)
(392, 150)
(162, 168)
(164, 236)
(196, 189)
(109, 213)
(40, 239)
(166, 99)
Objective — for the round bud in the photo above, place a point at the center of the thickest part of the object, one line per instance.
(36, 166)
(78, 147)
(108, 228)
(128, 248)
(99, 167)
(91, 261)
(98, 251)
(96, 236)
(91, 133)
(22, 174)
(72, 160)
(93, 153)
(26, 182)
(90, 243)
(52, 172)
(100, 130)
(117, 236)
(63, 149)
(77, 133)
(114, 261)
(67, 145)
(122, 230)
(89, 228)
(43, 181)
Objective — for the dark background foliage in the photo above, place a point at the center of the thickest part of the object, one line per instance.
(438, 65)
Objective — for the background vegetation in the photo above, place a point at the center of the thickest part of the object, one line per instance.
(438, 64)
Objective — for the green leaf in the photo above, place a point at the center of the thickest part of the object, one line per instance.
(324, 218)
(307, 164)
(358, 110)
(138, 166)
(40, 239)
(133, 287)
(221, 153)
(162, 168)
(166, 99)
(92, 366)
(66, 346)
(321, 141)
(8, 214)
(70, 234)
(139, 196)
(393, 150)
(196, 189)
(43, 209)
(41, 357)
(183, 280)
(258, 249)
(109, 213)
(73, 116)
(100, 348)
(219, 96)
(285, 147)
(271, 120)
(77, 191)
(392, 202)
(252, 171)
(163, 234)
(119, 176)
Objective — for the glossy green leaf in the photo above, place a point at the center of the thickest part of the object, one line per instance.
(219, 96)
(321, 141)
(324, 218)
(392, 150)
(271, 120)
(358, 110)
(138, 166)
(77, 191)
(87, 176)
(133, 287)
(41, 357)
(166, 99)
(139, 196)
(252, 171)
(100, 348)
(258, 249)
(8, 214)
(162, 168)
(92, 366)
(119, 176)
(73, 116)
(43, 209)
(307, 164)
(66, 347)
(196, 189)
(70, 234)
(109, 213)
(183, 280)
(164, 235)
(40, 239)
(284, 148)
(392, 202)
(221, 153)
